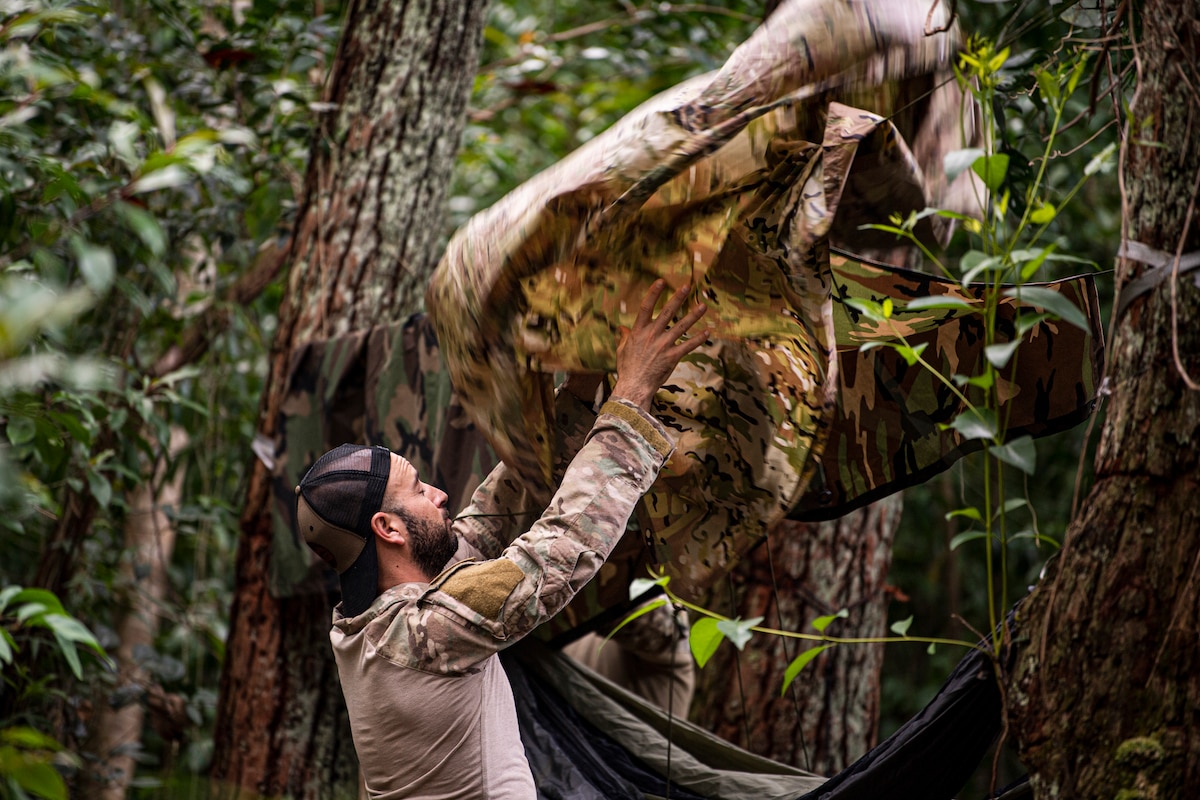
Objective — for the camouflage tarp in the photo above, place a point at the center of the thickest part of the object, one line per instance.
(738, 182)
(735, 182)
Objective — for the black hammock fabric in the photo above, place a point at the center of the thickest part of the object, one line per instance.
(587, 738)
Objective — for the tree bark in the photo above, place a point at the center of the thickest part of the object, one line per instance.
(830, 715)
(1105, 695)
(364, 245)
(150, 538)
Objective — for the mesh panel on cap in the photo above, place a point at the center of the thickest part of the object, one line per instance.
(346, 486)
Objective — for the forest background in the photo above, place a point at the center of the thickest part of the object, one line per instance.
(152, 156)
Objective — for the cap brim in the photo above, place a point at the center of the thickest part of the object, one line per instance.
(360, 583)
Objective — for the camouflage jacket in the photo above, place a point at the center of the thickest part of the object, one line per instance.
(418, 669)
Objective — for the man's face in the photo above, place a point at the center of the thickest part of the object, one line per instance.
(426, 517)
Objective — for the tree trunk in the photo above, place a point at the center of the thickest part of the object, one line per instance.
(364, 245)
(150, 537)
(1105, 699)
(829, 717)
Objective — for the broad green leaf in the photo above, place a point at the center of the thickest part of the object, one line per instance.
(21, 429)
(1050, 300)
(976, 424)
(37, 775)
(1047, 85)
(646, 609)
(31, 613)
(932, 649)
(1027, 322)
(911, 354)
(821, 623)
(939, 301)
(7, 646)
(1034, 263)
(168, 177)
(100, 488)
(96, 264)
(1020, 453)
(800, 662)
(46, 599)
(29, 739)
(70, 654)
(7, 594)
(1043, 214)
(968, 536)
(1000, 354)
(973, 263)
(900, 627)
(71, 629)
(639, 586)
(868, 308)
(738, 630)
(1013, 505)
(145, 226)
(969, 512)
(991, 169)
(703, 640)
(957, 161)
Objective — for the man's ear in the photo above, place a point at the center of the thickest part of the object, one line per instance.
(389, 527)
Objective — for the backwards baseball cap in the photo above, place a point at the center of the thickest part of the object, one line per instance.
(334, 505)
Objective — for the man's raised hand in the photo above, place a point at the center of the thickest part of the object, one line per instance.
(649, 351)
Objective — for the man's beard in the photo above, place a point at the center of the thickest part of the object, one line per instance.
(431, 545)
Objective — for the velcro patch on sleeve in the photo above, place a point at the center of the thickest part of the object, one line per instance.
(484, 587)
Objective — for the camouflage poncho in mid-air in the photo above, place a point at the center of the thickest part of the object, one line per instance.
(738, 182)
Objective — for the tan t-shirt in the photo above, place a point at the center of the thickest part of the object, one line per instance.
(431, 710)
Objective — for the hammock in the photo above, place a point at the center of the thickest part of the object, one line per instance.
(587, 738)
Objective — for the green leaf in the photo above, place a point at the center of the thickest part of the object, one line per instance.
(900, 627)
(976, 424)
(1050, 300)
(1026, 322)
(167, 177)
(798, 663)
(100, 488)
(71, 629)
(1020, 453)
(646, 609)
(703, 640)
(821, 623)
(968, 536)
(932, 648)
(738, 630)
(939, 301)
(21, 430)
(145, 226)
(911, 354)
(957, 161)
(71, 655)
(1047, 85)
(639, 586)
(974, 262)
(96, 264)
(991, 169)
(868, 308)
(29, 739)
(35, 774)
(1013, 505)
(1000, 354)
(45, 598)
(7, 594)
(1101, 161)
(7, 646)
(1043, 214)
(1034, 261)
(970, 513)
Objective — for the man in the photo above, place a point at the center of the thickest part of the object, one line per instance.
(431, 711)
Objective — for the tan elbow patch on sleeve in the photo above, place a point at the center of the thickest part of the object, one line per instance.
(484, 587)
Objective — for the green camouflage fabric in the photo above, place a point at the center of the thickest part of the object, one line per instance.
(886, 431)
(715, 183)
(388, 386)
(419, 669)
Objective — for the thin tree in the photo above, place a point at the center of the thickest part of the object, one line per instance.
(364, 242)
(1105, 696)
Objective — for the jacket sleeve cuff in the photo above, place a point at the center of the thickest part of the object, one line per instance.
(642, 422)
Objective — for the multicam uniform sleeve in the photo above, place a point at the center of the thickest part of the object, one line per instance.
(474, 609)
(500, 509)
